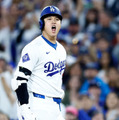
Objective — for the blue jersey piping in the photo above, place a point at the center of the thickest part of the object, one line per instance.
(51, 44)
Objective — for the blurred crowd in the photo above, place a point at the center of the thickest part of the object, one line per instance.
(90, 35)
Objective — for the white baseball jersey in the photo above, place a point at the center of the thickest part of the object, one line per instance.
(46, 61)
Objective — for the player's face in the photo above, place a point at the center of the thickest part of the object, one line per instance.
(52, 25)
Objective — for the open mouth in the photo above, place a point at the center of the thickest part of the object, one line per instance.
(54, 28)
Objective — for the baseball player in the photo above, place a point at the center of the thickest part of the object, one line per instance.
(38, 77)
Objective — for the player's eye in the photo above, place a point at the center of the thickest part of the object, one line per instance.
(49, 18)
(57, 19)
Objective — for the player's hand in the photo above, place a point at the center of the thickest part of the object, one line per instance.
(26, 113)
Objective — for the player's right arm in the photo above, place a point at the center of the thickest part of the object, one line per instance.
(19, 82)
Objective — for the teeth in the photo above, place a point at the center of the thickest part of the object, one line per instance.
(53, 27)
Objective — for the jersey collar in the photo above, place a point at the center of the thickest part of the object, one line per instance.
(51, 44)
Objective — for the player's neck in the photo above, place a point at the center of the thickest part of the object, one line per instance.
(52, 39)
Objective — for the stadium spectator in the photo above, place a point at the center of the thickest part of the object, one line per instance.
(112, 104)
(113, 79)
(105, 29)
(71, 92)
(7, 99)
(91, 72)
(74, 31)
(85, 106)
(5, 38)
(71, 113)
(97, 115)
(105, 63)
(103, 45)
(72, 54)
(91, 20)
(72, 70)
(75, 69)
(95, 91)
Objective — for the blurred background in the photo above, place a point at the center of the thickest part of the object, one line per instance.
(90, 35)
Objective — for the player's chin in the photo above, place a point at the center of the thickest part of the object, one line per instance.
(54, 34)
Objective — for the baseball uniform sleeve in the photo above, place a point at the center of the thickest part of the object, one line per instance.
(24, 69)
(28, 58)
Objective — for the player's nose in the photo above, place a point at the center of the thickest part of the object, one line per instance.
(53, 20)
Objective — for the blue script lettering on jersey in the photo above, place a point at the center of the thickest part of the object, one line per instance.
(54, 68)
